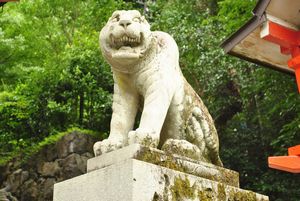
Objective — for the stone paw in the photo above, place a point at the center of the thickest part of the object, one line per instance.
(182, 148)
(107, 145)
(145, 138)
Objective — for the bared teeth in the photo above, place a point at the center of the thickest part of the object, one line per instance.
(127, 39)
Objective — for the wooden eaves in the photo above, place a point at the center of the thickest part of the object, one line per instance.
(272, 38)
(247, 44)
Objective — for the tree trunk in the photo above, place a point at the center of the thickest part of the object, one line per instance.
(213, 7)
(81, 108)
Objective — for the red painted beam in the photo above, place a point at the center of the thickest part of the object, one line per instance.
(289, 42)
(278, 34)
(285, 163)
(294, 151)
(297, 74)
(285, 50)
(289, 163)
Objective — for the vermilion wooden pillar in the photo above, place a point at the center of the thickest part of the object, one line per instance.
(289, 42)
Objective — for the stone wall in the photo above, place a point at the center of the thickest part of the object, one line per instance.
(34, 180)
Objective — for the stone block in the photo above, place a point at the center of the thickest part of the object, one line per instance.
(137, 173)
(163, 159)
(135, 180)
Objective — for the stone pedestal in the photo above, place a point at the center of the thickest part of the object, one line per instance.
(137, 173)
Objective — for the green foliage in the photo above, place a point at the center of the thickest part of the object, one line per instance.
(52, 74)
(13, 120)
(53, 77)
(25, 150)
(233, 13)
(255, 109)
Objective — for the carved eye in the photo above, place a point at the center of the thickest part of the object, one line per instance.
(116, 19)
(136, 19)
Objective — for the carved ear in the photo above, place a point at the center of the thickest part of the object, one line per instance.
(114, 14)
(143, 20)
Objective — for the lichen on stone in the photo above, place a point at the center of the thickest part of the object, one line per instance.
(221, 192)
(182, 189)
(158, 159)
(149, 142)
(182, 148)
(241, 196)
(206, 194)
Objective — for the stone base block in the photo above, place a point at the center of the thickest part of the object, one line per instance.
(126, 178)
(171, 161)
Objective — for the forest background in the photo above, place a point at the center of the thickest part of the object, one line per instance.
(53, 77)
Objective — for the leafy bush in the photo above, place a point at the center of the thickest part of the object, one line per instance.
(53, 77)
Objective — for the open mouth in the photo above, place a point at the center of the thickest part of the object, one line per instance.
(125, 42)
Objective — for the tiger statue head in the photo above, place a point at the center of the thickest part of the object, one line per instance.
(125, 39)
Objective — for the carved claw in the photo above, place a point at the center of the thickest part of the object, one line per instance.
(139, 136)
(183, 148)
(107, 145)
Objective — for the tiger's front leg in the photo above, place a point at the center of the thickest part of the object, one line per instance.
(157, 101)
(125, 104)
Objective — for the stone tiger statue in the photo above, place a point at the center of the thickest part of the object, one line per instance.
(147, 78)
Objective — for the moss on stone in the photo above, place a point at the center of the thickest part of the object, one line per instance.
(29, 151)
(173, 148)
(203, 196)
(182, 189)
(149, 142)
(206, 195)
(156, 197)
(221, 192)
(242, 196)
(168, 160)
(162, 160)
(230, 177)
(245, 196)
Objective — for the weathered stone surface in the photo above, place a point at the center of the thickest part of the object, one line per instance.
(135, 180)
(51, 153)
(49, 169)
(34, 180)
(29, 190)
(163, 159)
(74, 143)
(3, 195)
(6, 196)
(16, 179)
(73, 165)
(147, 76)
(46, 185)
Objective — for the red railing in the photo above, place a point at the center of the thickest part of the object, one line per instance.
(290, 163)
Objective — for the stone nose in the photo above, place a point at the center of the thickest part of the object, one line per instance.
(124, 23)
